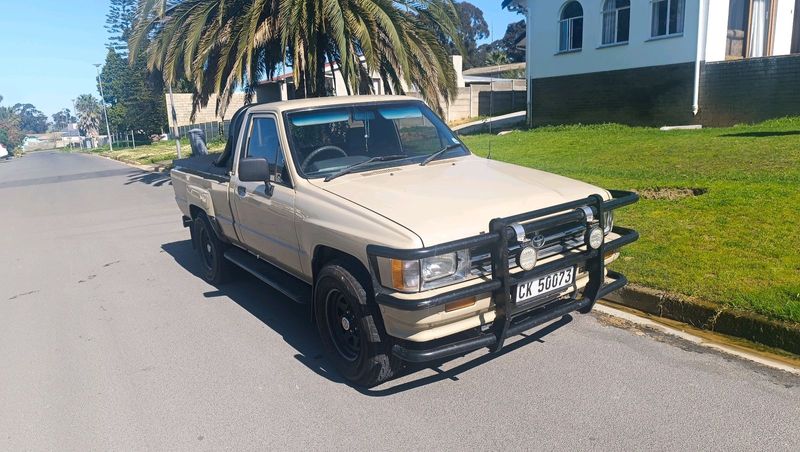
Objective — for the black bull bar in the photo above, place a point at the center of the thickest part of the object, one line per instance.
(511, 320)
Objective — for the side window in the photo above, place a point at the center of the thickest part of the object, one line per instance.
(570, 27)
(616, 21)
(418, 135)
(667, 17)
(263, 142)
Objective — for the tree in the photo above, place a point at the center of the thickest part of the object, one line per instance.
(514, 33)
(472, 27)
(62, 119)
(88, 109)
(221, 46)
(119, 22)
(496, 58)
(31, 120)
(134, 96)
(11, 135)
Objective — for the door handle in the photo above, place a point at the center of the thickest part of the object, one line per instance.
(241, 191)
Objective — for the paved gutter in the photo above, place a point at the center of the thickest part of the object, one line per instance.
(707, 316)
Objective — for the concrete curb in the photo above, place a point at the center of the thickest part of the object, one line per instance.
(753, 327)
(150, 167)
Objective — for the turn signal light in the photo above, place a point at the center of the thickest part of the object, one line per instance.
(459, 304)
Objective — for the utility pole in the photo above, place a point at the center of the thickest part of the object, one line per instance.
(175, 121)
(103, 103)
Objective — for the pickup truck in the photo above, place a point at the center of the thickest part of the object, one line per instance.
(405, 246)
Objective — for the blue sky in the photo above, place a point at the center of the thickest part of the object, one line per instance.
(48, 48)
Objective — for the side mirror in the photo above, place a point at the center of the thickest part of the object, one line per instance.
(255, 170)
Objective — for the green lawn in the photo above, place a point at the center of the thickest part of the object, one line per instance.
(737, 245)
(161, 151)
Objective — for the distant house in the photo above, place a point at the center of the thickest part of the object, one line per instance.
(656, 62)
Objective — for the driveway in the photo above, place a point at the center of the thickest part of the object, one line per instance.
(110, 340)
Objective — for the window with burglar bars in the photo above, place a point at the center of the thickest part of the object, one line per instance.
(571, 27)
(667, 17)
(616, 21)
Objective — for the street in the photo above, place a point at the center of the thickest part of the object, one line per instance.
(109, 340)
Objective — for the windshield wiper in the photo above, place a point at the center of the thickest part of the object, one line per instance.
(355, 166)
(436, 154)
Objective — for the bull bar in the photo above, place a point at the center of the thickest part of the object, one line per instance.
(511, 320)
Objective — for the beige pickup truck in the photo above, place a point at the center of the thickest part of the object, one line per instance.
(406, 246)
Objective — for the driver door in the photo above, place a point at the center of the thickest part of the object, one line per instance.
(265, 222)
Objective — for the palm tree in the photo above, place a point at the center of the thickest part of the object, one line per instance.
(220, 46)
(496, 58)
(88, 110)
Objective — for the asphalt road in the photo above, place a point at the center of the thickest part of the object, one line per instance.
(110, 341)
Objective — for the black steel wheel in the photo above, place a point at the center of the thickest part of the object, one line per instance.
(343, 325)
(216, 269)
(349, 325)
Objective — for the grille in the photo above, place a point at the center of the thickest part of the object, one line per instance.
(557, 240)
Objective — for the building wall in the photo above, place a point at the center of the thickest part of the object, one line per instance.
(183, 109)
(649, 96)
(749, 90)
(641, 50)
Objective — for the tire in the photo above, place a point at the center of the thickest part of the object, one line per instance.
(215, 268)
(347, 322)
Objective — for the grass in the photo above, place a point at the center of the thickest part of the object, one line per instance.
(159, 152)
(737, 245)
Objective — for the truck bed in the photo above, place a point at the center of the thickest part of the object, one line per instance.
(203, 166)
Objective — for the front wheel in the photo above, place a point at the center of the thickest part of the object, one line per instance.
(347, 326)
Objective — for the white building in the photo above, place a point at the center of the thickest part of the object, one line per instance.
(662, 61)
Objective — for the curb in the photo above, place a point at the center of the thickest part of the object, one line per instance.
(753, 327)
(150, 167)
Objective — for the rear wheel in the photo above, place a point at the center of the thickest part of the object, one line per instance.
(348, 326)
(216, 269)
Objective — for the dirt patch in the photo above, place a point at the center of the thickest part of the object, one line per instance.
(671, 193)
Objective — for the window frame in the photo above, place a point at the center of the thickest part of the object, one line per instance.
(681, 21)
(279, 155)
(616, 12)
(571, 22)
(425, 109)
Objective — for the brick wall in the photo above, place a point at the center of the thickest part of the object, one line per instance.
(749, 90)
(651, 96)
(183, 109)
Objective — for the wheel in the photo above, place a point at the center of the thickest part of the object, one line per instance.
(347, 324)
(216, 269)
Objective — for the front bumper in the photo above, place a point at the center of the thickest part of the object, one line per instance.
(510, 319)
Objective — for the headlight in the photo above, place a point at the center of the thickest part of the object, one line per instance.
(431, 272)
(608, 218)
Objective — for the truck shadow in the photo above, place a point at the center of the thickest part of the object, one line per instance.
(293, 322)
(154, 179)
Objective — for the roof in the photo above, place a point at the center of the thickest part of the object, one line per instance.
(487, 70)
(331, 101)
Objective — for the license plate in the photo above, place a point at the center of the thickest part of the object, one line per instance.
(544, 284)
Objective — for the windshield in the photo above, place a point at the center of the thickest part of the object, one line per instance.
(327, 140)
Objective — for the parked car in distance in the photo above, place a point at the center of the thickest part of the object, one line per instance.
(407, 247)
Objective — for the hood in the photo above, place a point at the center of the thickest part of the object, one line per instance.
(455, 198)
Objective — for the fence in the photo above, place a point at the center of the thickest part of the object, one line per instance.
(486, 99)
(213, 130)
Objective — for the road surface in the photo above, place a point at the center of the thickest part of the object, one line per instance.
(109, 340)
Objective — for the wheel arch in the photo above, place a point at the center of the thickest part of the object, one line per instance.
(324, 254)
